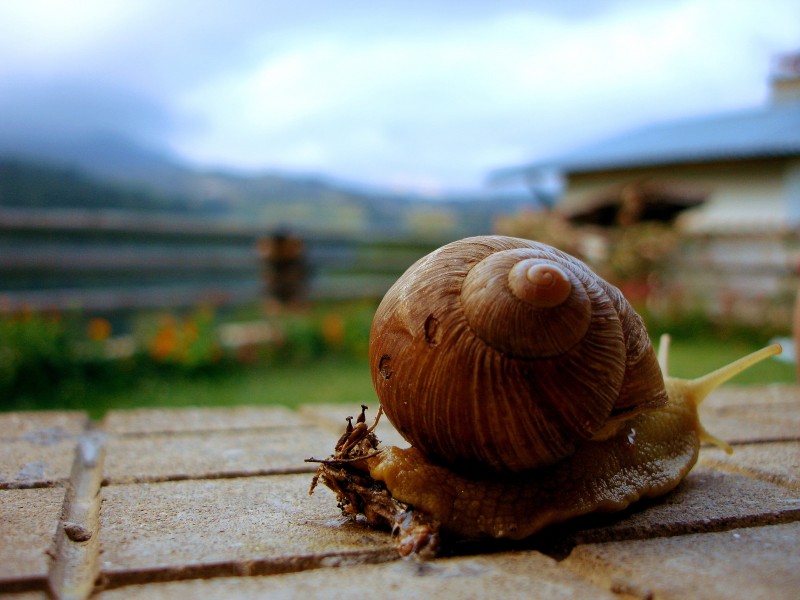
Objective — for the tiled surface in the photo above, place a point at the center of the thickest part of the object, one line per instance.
(29, 519)
(707, 500)
(253, 523)
(756, 562)
(214, 503)
(777, 462)
(521, 574)
(199, 455)
(36, 448)
(150, 421)
(749, 417)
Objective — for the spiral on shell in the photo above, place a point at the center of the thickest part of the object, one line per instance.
(503, 354)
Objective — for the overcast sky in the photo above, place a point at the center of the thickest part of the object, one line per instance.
(410, 94)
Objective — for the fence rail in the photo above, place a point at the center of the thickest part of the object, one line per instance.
(112, 260)
(750, 278)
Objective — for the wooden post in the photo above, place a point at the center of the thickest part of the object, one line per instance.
(285, 270)
(796, 334)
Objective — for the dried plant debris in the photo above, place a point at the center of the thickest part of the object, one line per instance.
(346, 473)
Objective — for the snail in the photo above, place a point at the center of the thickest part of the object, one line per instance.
(529, 392)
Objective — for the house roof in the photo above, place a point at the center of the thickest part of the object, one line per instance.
(772, 131)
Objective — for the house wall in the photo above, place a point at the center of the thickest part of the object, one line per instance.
(739, 257)
(742, 196)
(793, 190)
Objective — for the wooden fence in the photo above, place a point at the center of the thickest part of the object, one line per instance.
(107, 261)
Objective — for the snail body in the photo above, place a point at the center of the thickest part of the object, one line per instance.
(647, 458)
(530, 394)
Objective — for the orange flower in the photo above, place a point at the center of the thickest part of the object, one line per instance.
(164, 342)
(333, 330)
(98, 329)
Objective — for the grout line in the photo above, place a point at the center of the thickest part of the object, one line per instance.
(764, 475)
(265, 429)
(74, 569)
(623, 534)
(32, 485)
(107, 481)
(248, 568)
(737, 443)
(764, 440)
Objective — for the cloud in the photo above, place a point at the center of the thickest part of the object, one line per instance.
(415, 92)
(460, 100)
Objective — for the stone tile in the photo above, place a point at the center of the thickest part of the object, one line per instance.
(739, 423)
(29, 519)
(517, 575)
(177, 529)
(707, 500)
(217, 512)
(161, 420)
(214, 454)
(42, 425)
(777, 462)
(37, 449)
(753, 395)
(759, 562)
(333, 418)
(24, 465)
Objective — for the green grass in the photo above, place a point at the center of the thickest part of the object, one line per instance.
(328, 380)
(304, 370)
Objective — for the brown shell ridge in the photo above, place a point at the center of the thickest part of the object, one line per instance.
(568, 410)
(498, 316)
(400, 326)
(643, 384)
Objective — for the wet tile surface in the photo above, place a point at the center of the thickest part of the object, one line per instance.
(197, 455)
(172, 420)
(756, 562)
(29, 519)
(241, 524)
(37, 449)
(176, 503)
(515, 575)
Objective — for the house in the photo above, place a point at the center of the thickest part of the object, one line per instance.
(740, 171)
(731, 182)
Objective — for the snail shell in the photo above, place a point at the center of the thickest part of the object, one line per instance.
(501, 354)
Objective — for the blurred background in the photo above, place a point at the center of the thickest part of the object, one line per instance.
(202, 202)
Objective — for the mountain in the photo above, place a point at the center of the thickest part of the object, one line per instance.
(113, 172)
(105, 156)
(25, 184)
